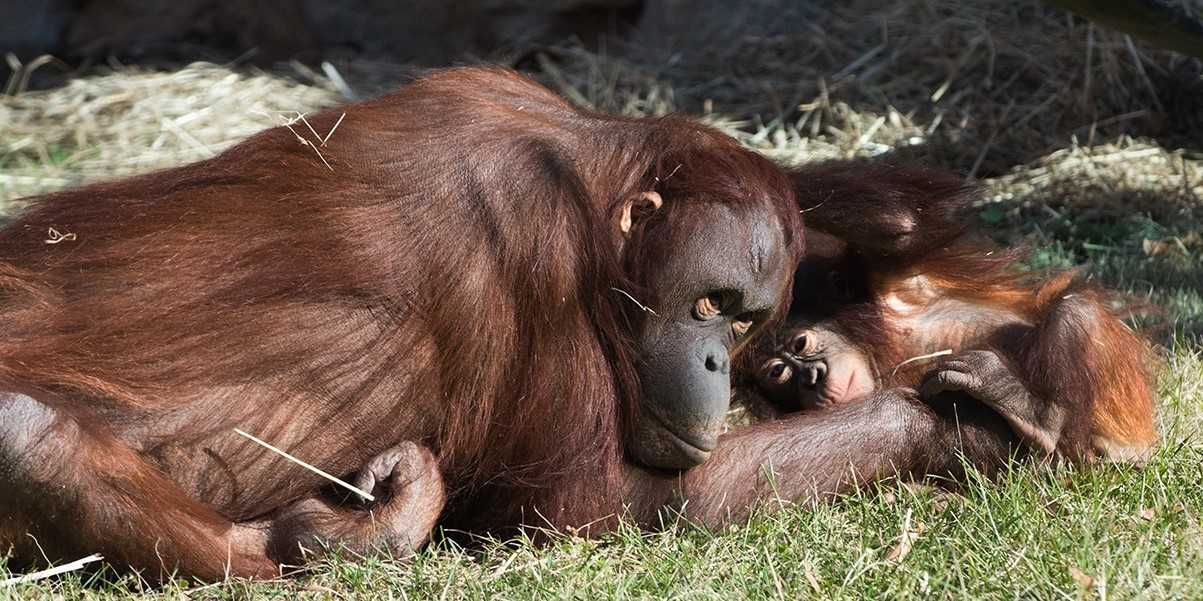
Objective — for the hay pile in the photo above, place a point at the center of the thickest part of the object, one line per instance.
(1114, 179)
(135, 120)
(988, 84)
(1051, 109)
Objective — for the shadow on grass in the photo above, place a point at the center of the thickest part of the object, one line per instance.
(1146, 243)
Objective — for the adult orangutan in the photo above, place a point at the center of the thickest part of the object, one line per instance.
(896, 277)
(471, 293)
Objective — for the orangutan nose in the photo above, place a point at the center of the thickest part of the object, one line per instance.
(718, 361)
(813, 373)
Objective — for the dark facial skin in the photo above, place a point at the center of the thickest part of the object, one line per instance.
(727, 277)
(815, 367)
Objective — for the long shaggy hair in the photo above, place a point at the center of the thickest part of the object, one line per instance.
(446, 269)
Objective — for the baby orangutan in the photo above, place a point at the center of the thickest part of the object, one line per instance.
(896, 291)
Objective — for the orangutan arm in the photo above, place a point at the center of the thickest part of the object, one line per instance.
(816, 455)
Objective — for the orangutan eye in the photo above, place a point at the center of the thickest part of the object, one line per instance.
(709, 306)
(778, 372)
(802, 345)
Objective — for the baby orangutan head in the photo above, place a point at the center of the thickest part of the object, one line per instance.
(810, 365)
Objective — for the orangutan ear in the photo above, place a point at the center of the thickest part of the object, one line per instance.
(637, 207)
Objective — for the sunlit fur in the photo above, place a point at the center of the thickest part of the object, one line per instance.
(917, 279)
(450, 279)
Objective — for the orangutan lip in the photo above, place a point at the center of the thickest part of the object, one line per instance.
(695, 454)
(704, 447)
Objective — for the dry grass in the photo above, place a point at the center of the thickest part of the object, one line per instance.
(989, 83)
(1122, 176)
(980, 86)
(1092, 151)
(135, 120)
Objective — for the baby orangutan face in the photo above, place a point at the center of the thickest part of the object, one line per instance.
(814, 367)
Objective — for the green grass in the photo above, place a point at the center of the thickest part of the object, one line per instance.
(1033, 532)
(1124, 533)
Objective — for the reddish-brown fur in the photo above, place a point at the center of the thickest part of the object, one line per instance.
(452, 280)
(919, 279)
(262, 290)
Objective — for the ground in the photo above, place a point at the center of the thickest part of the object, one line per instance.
(1090, 148)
